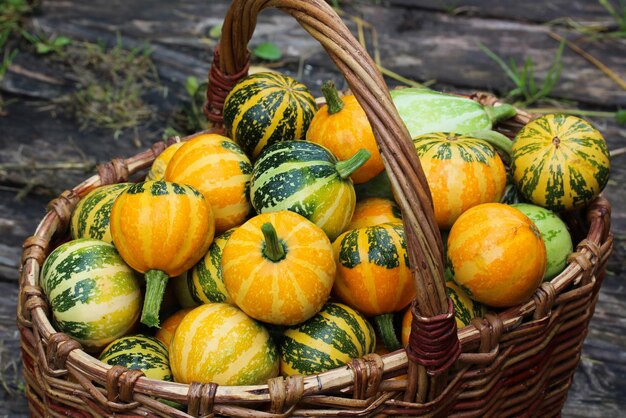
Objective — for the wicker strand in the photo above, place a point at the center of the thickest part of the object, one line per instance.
(201, 399)
(36, 248)
(63, 207)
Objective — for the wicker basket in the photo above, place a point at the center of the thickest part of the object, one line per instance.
(519, 362)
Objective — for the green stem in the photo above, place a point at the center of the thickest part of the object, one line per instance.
(334, 102)
(273, 250)
(384, 326)
(500, 112)
(156, 281)
(497, 140)
(349, 166)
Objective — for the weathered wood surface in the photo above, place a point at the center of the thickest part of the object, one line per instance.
(419, 39)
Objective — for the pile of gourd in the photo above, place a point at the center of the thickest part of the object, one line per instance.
(281, 241)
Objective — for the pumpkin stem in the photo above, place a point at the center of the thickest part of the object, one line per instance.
(274, 249)
(500, 112)
(496, 140)
(156, 281)
(334, 102)
(349, 166)
(384, 326)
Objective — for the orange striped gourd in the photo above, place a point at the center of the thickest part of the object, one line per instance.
(496, 254)
(218, 343)
(342, 126)
(278, 268)
(374, 211)
(157, 170)
(217, 167)
(168, 328)
(462, 171)
(373, 274)
(161, 229)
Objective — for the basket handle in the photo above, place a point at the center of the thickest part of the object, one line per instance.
(367, 84)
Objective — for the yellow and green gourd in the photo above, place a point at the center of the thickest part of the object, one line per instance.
(139, 352)
(306, 178)
(265, 108)
(94, 296)
(91, 217)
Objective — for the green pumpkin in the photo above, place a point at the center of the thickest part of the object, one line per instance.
(265, 108)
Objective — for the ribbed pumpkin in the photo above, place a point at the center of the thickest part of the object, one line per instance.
(265, 108)
(465, 309)
(342, 126)
(168, 327)
(560, 162)
(496, 254)
(95, 297)
(206, 281)
(306, 178)
(157, 170)
(278, 267)
(373, 274)
(161, 229)
(374, 211)
(139, 352)
(217, 167)
(90, 218)
(461, 171)
(218, 343)
(333, 337)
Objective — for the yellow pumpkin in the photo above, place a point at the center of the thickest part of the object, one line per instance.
(215, 165)
(161, 229)
(218, 343)
(157, 170)
(496, 254)
(168, 328)
(278, 268)
(342, 126)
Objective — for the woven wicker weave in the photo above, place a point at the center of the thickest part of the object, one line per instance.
(517, 363)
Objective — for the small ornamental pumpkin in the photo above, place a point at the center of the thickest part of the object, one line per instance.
(95, 297)
(278, 268)
(217, 167)
(161, 229)
(373, 274)
(330, 339)
(342, 126)
(461, 171)
(374, 211)
(560, 162)
(218, 343)
(139, 352)
(306, 178)
(91, 217)
(265, 108)
(157, 170)
(496, 255)
(168, 328)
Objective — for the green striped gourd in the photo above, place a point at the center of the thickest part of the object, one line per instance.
(217, 342)
(139, 352)
(560, 162)
(267, 107)
(94, 296)
(306, 178)
(330, 339)
(425, 111)
(206, 282)
(91, 216)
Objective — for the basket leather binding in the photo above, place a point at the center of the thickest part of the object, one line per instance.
(517, 363)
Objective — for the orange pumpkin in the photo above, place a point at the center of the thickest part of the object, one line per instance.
(462, 171)
(157, 170)
(373, 274)
(215, 165)
(168, 328)
(161, 229)
(374, 211)
(278, 268)
(342, 126)
(496, 254)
